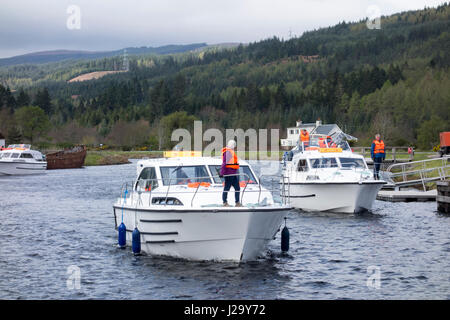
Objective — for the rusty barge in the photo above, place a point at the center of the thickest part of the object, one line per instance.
(67, 159)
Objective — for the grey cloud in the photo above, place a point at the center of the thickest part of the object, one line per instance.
(112, 24)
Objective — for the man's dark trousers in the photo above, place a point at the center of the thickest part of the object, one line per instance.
(376, 167)
(231, 181)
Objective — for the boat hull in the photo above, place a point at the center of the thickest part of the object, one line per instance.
(21, 168)
(334, 197)
(224, 235)
(67, 159)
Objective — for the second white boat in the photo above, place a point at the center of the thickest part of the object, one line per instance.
(329, 178)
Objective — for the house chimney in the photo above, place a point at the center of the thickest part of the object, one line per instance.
(298, 123)
(318, 122)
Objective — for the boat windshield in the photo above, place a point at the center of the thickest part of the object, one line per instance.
(344, 145)
(315, 143)
(245, 174)
(15, 155)
(321, 163)
(352, 163)
(183, 175)
(147, 179)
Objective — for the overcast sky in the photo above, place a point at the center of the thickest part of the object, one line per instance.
(36, 25)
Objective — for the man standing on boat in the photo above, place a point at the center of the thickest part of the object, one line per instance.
(304, 138)
(229, 170)
(378, 153)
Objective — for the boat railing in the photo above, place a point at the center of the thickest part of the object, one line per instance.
(284, 193)
(149, 183)
(417, 172)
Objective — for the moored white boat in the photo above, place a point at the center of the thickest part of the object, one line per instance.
(176, 205)
(331, 179)
(21, 160)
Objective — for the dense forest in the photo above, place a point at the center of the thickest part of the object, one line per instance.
(394, 80)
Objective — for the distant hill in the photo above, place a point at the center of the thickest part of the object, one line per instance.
(59, 55)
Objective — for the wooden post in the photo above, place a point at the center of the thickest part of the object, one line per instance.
(443, 196)
(393, 154)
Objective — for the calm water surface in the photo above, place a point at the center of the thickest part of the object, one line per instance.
(63, 218)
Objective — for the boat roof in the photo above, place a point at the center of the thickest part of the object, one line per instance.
(327, 153)
(18, 147)
(183, 161)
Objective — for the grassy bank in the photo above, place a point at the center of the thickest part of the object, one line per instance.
(110, 157)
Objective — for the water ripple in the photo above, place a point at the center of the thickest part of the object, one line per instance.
(51, 222)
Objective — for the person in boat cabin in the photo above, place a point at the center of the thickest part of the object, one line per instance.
(378, 153)
(322, 143)
(228, 170)
(330, 142)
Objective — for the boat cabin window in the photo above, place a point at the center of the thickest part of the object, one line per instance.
(302, 165)
(170, 201)
(183, 175)
(5, 155)
(323, 163)
(147, 180)
(15, 155)
(245, 174)
(26, 156)
(352, 163)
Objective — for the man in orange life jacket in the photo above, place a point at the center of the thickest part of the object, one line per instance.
(304, 137)
(229, 169)
(378, 154)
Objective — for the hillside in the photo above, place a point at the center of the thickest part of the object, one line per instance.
(93, 75)
(394, 80)
(60, 55)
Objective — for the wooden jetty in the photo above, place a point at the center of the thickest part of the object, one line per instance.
(407, 195)
(443, 196)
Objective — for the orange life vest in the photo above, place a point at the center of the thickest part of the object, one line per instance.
(379, 146)
(304, 137)
(322, 143)
(233, 162)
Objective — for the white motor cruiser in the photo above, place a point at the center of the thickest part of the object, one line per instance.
(19, 159)
(176, 204)
(322, 177)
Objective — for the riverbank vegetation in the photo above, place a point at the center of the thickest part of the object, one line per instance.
(394, 80)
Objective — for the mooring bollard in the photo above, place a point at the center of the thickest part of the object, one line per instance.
(443, 196)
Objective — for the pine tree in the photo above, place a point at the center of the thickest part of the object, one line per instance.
(43, 101)
(14, 136)
(23, 99)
